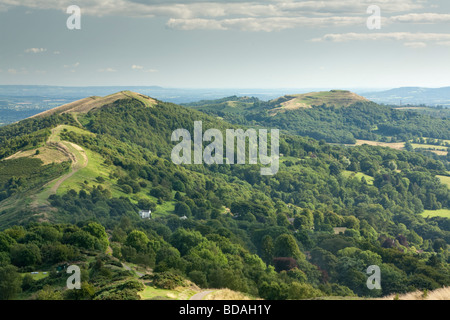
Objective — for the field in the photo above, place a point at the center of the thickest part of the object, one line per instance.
(445, 180)
(358, 175)
(393, 145)
(439, 150)
(40, 275)
(436, 213)
(180, 293)
(438, 294)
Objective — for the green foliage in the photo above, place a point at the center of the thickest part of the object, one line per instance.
(48, 293)
(10, 282)
(286, 246)
(138, 240)
(25, 255)
(168, 280)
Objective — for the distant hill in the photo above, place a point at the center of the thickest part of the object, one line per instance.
(412, 95)
(336, 98)
(336, 116)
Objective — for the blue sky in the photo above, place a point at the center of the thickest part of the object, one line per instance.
(226, 44)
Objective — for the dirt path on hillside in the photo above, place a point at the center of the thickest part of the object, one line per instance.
(76, 165)
(78, 162)
(201, 295)
(127, 267)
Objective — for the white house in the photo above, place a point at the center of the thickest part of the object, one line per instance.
(145, 214)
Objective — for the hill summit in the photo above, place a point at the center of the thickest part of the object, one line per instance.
(337, 98)
(87, 104)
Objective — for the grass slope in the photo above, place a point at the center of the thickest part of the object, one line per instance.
(87, 104)
(337, 98)
(445, 213)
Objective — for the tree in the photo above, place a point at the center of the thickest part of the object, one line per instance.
(161, 193)
(138, 240)
(286, 246)
(47, 293)
(299, 291)
(98, 231)
(56, 252)
(439, 244)
(86, 292)
(6, 242)
(284, 264)
(145, 204)
(267, 248)
(184, 240)
(82, 239)
(273, 291)
(408, 146)
(182, 209)
(10, 282)
(23, 255)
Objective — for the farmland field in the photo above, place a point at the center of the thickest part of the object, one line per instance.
(436, 213)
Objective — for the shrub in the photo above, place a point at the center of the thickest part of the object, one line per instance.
(168, 280)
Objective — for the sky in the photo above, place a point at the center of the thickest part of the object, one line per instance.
(226, 44)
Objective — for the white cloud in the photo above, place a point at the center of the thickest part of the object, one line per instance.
(75, 65)
(35, 50)
(197, 9)
(415, 45)
(397, 36)
(56, 52)
(107, 70)
(14, 71)
(264, 24)
(443, 43)
(248, 15)
(138, 67)
(191, 9)
(409, 39)
(421, 18)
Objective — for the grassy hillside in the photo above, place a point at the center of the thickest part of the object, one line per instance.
(93, 103)
(214, 226)
(336, 98)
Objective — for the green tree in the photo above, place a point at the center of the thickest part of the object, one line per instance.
(86, 292)
(10, 282)
(5, 241)
(286, 246)
(182, 209)
(184, 240)
(138, 240)
(267, 249)
(48, 293)
(23, 255)
(98, 231)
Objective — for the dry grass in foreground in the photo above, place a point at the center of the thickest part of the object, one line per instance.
(227, 294)
(438, 294)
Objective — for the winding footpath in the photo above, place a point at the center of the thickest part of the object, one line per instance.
(79, 161)
(201, 295)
